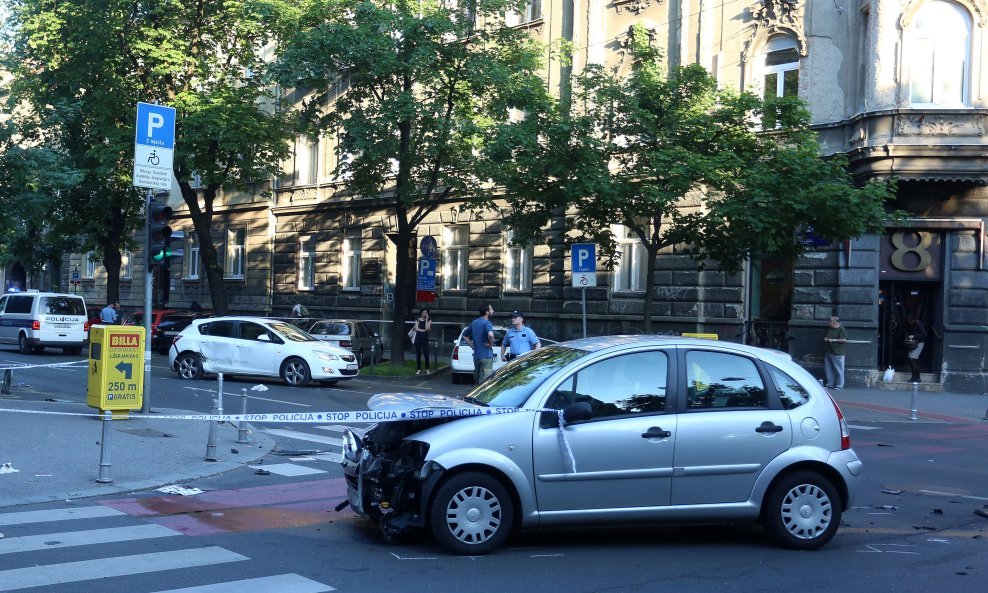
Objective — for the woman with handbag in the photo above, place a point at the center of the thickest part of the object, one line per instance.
(421, 340)
(913, 343)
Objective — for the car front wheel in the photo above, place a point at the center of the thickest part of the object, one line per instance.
(188, 366)
(803, 511)
(295, 372)
(471, 514)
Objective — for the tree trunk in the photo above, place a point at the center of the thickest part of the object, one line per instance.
(202, 222)
(111, 263)
(651, 254)
(404, 292)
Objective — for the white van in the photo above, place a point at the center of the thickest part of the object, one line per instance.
(37, 320)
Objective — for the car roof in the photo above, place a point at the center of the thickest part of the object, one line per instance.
(597, 343)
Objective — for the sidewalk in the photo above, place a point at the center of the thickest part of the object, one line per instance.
(58, 457)
(880, 405)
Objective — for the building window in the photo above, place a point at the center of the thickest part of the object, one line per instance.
(127, 265)
(350, 272)
(938, 46)
(235, 250)
(517, 265)
(306, 263)
(531, 12)
(190, 267)
(780, 68)
(456, 249)
(306, 161)
(90, 266)
(630, 268)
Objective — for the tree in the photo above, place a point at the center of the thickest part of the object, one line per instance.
(82, 65)
(679, 162)
(410, 88)
(31, 182)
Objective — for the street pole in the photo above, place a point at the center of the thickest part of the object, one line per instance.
(148, 289)
(583, 298)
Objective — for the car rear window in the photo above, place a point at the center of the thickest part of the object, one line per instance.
(63, 305)
(331, 329)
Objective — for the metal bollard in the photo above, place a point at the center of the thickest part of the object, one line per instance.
(915, 396)
(104, 450)
(211, 442)
(242, 426)
(8, 378)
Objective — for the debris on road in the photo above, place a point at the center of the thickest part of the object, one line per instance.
(180, 490)
(7, 468)
(890, 491)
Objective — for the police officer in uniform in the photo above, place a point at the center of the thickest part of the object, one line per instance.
(519, 339)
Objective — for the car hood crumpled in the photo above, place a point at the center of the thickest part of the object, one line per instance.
(397, 402)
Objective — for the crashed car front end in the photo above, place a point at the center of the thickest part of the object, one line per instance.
(388, 479)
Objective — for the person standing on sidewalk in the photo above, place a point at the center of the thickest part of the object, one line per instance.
(109, 315)
(915, 336)
(481, 339)
(519, 339)
(422, 326)
(833, 359)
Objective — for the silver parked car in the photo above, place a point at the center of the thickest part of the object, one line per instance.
(608, 430)
(355, 336)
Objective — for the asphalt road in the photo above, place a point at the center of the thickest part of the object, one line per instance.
(914, 526)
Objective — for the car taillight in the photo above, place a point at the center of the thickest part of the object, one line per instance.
(456, 352)
(86, 326)
(35, 325)
(345, 343)
(845, 434)
(176, 339)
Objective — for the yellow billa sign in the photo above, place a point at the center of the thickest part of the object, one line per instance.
(116, 371)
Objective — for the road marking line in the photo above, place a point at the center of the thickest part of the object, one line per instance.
(51, 541)
(86, 570)
(304, 436)
(23, 517)
(282, 583)
(860, 427)
(938, 493)
(267, 399)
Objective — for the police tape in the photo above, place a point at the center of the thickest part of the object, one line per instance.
(354, 416)
(17, 366)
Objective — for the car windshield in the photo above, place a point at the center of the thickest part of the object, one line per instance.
(63, 306)
(330, 329)
(290, 332)
(513, 384)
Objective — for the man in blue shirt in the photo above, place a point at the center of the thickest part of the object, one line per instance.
(519, 339)
(109, 315)
(481, 338)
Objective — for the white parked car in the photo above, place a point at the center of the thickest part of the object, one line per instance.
(258, 346)
(352, 335)
(461, 361)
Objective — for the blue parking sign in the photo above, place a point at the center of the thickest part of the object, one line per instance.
(155, 126)
(426, 277)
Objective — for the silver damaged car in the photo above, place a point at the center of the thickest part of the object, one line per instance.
(603, 431)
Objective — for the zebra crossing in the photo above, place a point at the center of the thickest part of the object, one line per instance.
(29, 538)
(329, 439)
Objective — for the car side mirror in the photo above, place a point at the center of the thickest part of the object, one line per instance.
(577, 412)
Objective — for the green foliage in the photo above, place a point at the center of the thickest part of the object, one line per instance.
(679, 162)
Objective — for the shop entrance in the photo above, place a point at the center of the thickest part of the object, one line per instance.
(897, 299)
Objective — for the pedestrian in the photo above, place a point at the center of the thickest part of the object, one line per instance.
(109, 314)
(914, 341)
(422, 326)
(520, 339)
(833, 360)
(299, 311)
(481, 339)
(195, 307)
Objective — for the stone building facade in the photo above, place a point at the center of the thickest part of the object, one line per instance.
(900, 86)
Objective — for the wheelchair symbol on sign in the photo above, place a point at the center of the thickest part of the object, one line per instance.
(153, 158)
(583, 280)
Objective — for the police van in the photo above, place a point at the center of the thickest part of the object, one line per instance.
(38, 320)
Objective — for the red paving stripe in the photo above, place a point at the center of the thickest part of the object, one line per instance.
(903, 411)
(216, 500)
(254, 518)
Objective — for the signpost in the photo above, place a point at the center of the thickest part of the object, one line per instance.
(584, 265)
(154, 148)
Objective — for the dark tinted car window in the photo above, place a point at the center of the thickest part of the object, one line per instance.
(627, 384)
(790, 391)
(63, 306)
(19, 304)
(722, 380)
(221, 329)
(330, 329)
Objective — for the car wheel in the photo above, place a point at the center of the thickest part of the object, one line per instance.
(295, 372)
(455, 378)
(188, 366)
(471, 514)
(23, 346)
(73, 351)
(803, 511)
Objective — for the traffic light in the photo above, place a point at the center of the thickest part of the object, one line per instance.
(159, 234)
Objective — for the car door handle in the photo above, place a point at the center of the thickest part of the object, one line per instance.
(769, 427)
(655, 432)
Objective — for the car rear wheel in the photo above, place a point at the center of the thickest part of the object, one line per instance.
(295, 372)
(188, 366)
(471, 514)
(73, 351)
(803, 511)
(23, 346)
